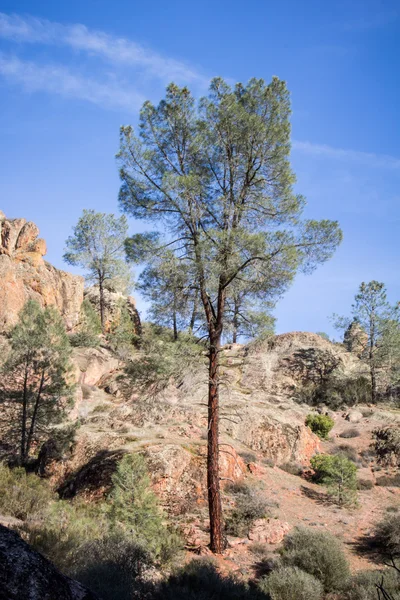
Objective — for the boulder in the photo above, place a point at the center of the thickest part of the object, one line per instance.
(354, 416)
(24, 275)
(268, 531)
(27, 575)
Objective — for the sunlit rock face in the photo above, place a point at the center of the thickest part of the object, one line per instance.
(24, 275)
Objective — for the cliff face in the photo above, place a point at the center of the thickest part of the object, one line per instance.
(24, 275)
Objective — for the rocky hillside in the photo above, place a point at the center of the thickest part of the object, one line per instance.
(24, 274)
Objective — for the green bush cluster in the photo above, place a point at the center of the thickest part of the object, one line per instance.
(23, 496)
(289, 583)
(362, 586)
(335, 392)
(387, 445)
(320, 424)
(89, 329)
(250, 505)
(319, 554)
(338, 473)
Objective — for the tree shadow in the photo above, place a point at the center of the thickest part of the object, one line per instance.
(318, 497)
(94, 475)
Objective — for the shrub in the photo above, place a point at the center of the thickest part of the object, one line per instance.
(365, 484)
(287, 583)
(134, 510)
(292, 468)
(21, 495)
(386, 537)
(350, 433)
(249, 507)
(89, 328)
(348, 451)
(338, 473)
(318, 553)
(387, 445)
(387, 481)
(199, 580)
(248, 457)
(112, 567)
(362, 586)
(320, 424)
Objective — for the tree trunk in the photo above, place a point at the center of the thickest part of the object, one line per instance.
(22, 456)
(217, 538)
(102, 311)
(235, 323)
(373, 383)
(175, 322)
(34, 414)
(193, 317)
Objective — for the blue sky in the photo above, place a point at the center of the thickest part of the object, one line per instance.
(71, 73)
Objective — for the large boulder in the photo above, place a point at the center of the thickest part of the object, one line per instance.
(24, 275)
(27, 575)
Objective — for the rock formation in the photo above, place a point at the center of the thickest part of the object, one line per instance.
(27, 575)
(115, 302)
(24, 274)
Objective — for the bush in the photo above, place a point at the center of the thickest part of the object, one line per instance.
(320, 424)
(387, 445)
(134, 510)
(112, 568)
(199, 580)
(338, 473)
(289, 583)
(250, 506)
(350, 433)
(387, 481)
(386, 537)
(292, 468)
(365, 484)
(318, 553)
(89, 328)
(335, 392)
(362, 586)
(23, 496)
(348, 451)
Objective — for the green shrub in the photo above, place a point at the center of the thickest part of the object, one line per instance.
(386, 538)
(89, 329)
(134, 510)
(362, 586)
(387, 445)
(113, 567)
(318, 553)
(292, 468)
(23, 496)
(289, 583)
(320, 424)
(350, 433)
(200, 580)
(348, 451)
(338, 473)
(249, 507)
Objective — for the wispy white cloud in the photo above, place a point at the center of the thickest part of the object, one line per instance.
(59, 80)
(116, 50)
(365, 158)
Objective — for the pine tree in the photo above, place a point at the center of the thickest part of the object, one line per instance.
(34, 389)
(98, 246)
(217, 177)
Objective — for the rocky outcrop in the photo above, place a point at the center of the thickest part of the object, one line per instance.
(24, 274)
(27, 575)
(115, 303)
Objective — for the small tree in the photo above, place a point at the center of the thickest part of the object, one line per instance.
(373, 330)
(218, 179)
(164, 283)
(387, 445)
(34, 388)
(134, 510)
(98, 246)
(338, 473)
